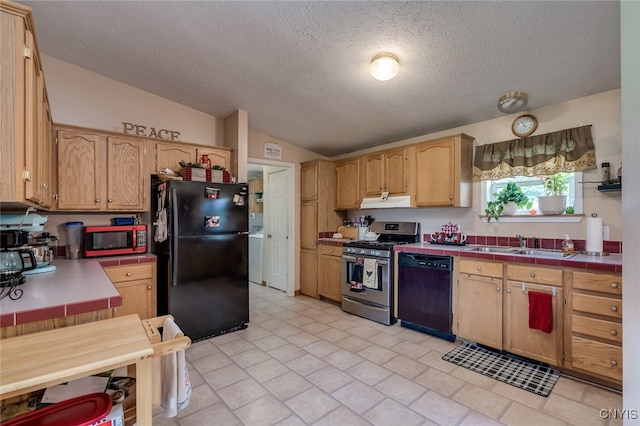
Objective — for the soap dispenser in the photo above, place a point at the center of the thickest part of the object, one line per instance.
(567, 244)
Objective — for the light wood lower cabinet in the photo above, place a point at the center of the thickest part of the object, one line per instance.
(593, 334)
(492, 308)
(479, 302)
(136, 283)
(518, 337)
(525, 341)
(309, 272)
(330, 272)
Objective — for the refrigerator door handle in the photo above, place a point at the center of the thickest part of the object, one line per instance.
(174, 224)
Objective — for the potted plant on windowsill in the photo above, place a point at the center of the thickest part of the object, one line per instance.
(555, 188)
(507, 202)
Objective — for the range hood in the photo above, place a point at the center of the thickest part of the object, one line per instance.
(386, 203)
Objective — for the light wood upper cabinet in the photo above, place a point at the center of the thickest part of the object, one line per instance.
(127, 180)
(25, 170)
(80, 157)
(348, 184)
(218, 156)
(444, 172)
(387, 171)
(169, 155)
(101, 173)
(309, 181)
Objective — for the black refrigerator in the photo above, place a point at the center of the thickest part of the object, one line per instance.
(200, 238)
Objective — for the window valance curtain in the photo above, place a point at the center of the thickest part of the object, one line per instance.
(568, 150)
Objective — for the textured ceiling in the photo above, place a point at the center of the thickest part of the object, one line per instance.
(300, 69)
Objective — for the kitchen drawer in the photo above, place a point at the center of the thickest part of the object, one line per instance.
(131, 272)
(598, 305)
(486, 269)
(330, 250)
(535, 275)
(604, 283)
(593, 327)
(597, 358)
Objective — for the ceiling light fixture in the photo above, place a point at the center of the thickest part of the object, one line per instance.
(384, 66)
(513, 102)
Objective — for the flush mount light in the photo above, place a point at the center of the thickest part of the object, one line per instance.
(384, 66)
(513, 102)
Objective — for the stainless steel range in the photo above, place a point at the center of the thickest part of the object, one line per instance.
(367, 270)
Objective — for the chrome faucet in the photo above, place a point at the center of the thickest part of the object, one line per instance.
(523, 240)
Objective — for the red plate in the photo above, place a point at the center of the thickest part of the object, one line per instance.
(81, 411)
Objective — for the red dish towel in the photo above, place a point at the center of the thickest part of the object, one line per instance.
(540, 311)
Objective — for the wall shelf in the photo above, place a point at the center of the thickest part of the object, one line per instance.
(612, 187)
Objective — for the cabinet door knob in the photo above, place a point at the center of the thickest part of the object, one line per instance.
(268, 235)
(532, 275)
(478, 268)
(97, 200)
(45, 186)
(614, 309)
(128, 274)
(508, 290)
(614, 285)
(614, 363)
(148, 287)
(451, 197)
(109, 200)
(497, 288)
(614, 333)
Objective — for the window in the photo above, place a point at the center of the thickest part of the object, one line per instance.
(532, 187)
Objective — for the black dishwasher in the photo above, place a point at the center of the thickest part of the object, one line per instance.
(425, 293)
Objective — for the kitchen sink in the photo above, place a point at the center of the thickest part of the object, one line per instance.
(546, 253)
(524, 251)
(503, 250)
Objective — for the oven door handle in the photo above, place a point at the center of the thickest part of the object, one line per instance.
(353, 259)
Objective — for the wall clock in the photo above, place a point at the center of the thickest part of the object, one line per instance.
(524, 125)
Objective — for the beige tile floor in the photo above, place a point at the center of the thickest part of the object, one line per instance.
(305, 362)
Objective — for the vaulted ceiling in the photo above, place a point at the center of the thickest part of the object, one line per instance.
(300, 69)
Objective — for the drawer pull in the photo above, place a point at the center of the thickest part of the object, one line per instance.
(478, 268)
(532, 275)
(128, 274)
(614, 309)
(613, 333)
(614, 285)
(614, 363)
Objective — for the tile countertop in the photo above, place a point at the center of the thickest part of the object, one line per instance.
(611, 263)
(75, 287)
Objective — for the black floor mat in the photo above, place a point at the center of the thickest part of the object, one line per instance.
(514, 371)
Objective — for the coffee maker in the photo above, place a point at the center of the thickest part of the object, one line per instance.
(15, 259)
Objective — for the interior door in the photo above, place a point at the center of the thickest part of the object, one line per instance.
(277, 232)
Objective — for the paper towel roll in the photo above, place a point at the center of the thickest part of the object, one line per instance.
(594, 234)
